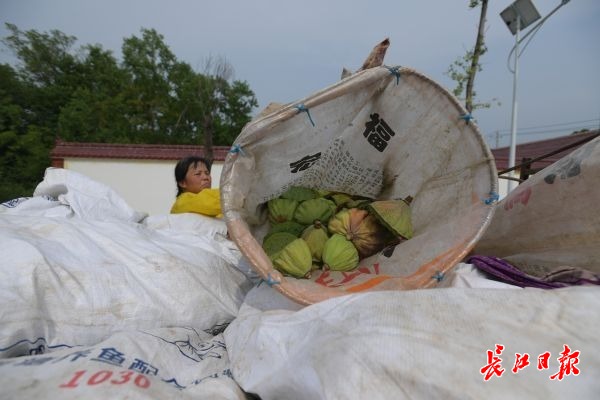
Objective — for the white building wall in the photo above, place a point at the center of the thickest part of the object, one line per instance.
(503, 184)
(146, 185)
(503, 187)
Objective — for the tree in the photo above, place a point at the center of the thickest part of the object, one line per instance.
(464, 69)
(23, 150)
(49, 67)
(33, 96)
(97, 109)
(171, 103)
(87, 95)
(23, 161)
(149, 62)
(224, 106)
(239, 103)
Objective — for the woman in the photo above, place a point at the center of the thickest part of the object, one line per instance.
(194, 194)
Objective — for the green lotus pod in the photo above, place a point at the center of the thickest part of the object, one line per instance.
(312, 210)
(294, 259)
(340, 199)
(323, 193)
(346, 222)
(292, 227)
(370, 237)
(395, 215)
(274, 243)
(358, 203)
(315, 236)
(281, 210)
(299, 194)
(339, 254)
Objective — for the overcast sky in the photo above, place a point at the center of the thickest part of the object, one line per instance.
(286, 50)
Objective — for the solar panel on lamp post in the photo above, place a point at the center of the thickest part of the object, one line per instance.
(517, 17)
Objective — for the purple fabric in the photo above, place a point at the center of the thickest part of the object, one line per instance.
(506, 272)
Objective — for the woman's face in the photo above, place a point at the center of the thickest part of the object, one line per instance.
(196, 179)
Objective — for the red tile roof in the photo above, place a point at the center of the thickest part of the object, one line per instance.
(132, 151)
(175, 152)
(537, 149)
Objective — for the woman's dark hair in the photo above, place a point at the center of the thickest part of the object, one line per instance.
(182, 167)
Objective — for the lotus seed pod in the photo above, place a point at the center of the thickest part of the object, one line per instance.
(299, 194)
(358, 203)
(294, 259)
(322, 193)
(312, 210)
(339, 254)
(315, 236)
(281, 210)
(346, 222)
(370, 237)
(292, 227)
(395, 215)
(340, 199)
(274, 243)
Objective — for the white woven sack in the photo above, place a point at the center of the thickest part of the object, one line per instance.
(552, 219)
(71, 281)
(385, 133)
(171, 363)
(421, 344)
(86, 197)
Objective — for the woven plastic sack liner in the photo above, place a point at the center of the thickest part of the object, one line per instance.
(384, 133)
(551, 221)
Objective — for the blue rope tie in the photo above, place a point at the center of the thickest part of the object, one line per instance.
(439, 276)
(236, 148)
(302, 108)
(467, 117)
(270, 281)
(396, 72)
(492, 198)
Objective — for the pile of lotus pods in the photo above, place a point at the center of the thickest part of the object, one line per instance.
(313, 229)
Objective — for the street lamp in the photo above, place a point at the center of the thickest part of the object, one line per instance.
(518, 16)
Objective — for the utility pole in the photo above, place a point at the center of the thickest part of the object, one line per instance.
(518, 16)
(513, 126)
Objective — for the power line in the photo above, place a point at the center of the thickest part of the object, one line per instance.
(595, 120)
(560, 124)
(541, 132)
(579, 128)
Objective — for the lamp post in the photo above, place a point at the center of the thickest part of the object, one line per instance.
(513, 122)
(517, 16)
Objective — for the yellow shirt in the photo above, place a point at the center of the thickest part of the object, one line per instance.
(206, 202)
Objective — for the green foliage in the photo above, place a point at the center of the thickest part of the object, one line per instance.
(86, 95)
(464, 68)
(459, 72)
(23, 161)
(23, 151)
(45, 58)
